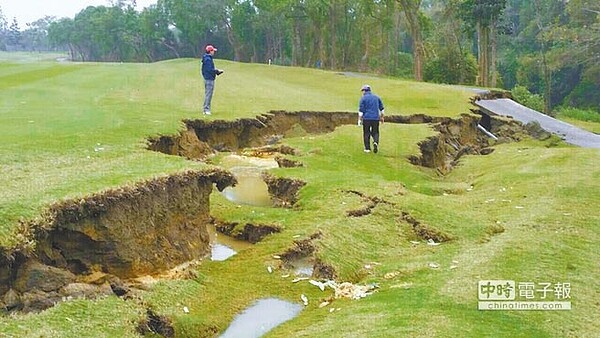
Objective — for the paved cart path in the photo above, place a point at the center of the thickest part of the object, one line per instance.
(570, 133)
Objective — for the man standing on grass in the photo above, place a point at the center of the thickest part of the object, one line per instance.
(370, 112)
(209, 72)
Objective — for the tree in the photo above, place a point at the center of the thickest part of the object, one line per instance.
(35, 37)
(3, 31)
(411, 10)
(14, 34)
(450, 61)
(60, 35)
(483, 15)
(543, 50)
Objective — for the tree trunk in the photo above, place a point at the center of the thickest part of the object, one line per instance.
(493, 56)
(333, 35)
(296, 44)
(364, 60)
(237, 49)
(483, 35)
(545, 68)
(411, 10)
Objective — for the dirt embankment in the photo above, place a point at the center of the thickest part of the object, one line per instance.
(459, 137)
(201, 138)
(83, 247)
(456, 137)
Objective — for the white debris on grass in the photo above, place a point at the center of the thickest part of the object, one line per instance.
(432, 242)
(349, 290)
(270, 269)
(186, 310)
(434, 265)
(304, 299)
(317, 284)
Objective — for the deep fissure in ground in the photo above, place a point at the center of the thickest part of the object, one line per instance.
(85, 247)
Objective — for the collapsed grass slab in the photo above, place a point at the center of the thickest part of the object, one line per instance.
(127, 232)
(252, 233)
(456, 138)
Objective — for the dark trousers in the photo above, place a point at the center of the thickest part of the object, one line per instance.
(370, 129)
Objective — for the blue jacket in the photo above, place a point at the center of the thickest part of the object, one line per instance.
(208, 67)
(370, 105)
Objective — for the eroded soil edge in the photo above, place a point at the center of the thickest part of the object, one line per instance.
(84, 247)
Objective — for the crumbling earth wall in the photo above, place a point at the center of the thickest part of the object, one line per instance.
(127, 232)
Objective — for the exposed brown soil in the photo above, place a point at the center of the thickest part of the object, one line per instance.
(305, 248)
(282, 190)
(287, 163)
(84, 247)
(425, 232)
(302, 248)
(323, 271)
(252, 233)
(370, 203)
(457, 137)
(156, 324)
(220, 135)
(121, 233)
(269, 150)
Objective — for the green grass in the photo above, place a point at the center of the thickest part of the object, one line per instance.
(68, 130)
(544, 198)
(585, 119)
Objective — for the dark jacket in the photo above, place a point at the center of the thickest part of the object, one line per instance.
(370, 105)
(209, 72)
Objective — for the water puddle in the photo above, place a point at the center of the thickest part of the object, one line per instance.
(222, 246)
(261, 317)
(302, 267)
(251, 189)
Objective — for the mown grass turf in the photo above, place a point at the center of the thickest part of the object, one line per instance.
(67, 130)
(543, 198)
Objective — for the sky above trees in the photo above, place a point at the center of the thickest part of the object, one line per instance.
(27, 11)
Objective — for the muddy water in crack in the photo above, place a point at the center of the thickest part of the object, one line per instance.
(261, 317)
(302, 267)
(222, 246)
(251, 189)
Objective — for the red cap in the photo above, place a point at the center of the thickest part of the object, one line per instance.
(210, 48)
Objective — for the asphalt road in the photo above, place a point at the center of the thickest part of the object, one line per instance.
(570, 133)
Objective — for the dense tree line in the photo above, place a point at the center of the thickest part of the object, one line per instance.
(548, 47)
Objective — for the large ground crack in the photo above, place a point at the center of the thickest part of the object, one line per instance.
(124, 233)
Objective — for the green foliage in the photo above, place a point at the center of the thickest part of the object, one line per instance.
(585, 94)
(451, 68)
(522, 95)
(587, 115)
(405, 66)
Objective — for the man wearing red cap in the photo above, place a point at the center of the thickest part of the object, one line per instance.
(209, 72)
